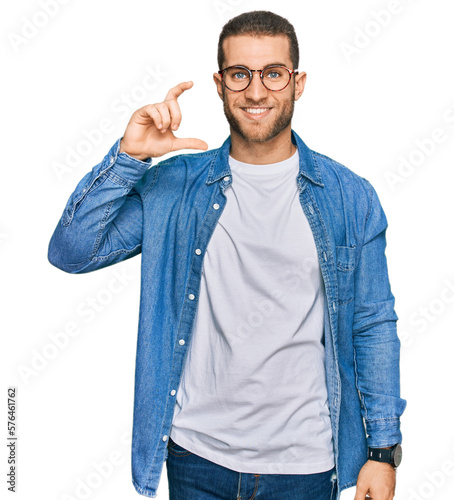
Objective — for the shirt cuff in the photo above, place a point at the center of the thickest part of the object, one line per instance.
(383, 433)
(124, 167)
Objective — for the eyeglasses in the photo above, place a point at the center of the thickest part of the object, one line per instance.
(275, 77)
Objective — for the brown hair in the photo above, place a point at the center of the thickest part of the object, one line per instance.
(259, 23)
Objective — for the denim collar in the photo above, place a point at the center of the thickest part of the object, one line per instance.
(308, 168)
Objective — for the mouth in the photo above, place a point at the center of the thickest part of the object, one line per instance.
(256, 112)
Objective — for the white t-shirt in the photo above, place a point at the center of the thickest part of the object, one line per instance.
(253, 395)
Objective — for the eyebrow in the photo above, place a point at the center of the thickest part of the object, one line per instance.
(269, 64)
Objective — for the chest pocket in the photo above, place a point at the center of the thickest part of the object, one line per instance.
(346, 257)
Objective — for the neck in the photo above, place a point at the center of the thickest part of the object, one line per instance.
(261, 153)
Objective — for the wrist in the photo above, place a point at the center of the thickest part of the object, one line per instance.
(382, 465)
(391, 455)
(132, 155)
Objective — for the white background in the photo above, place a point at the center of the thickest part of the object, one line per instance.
(369, 110)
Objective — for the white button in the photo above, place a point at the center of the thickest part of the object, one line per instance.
(216, 206)
(324, 255)
(181, 342)
(311, 210)
(334, 306)
(164, 438)
(198, 251)
(226, 178)
(191, 296)
(173, 392)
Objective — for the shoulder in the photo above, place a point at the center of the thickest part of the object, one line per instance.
(350, 200)
(332, 171)
(347, 192)
(338, 177)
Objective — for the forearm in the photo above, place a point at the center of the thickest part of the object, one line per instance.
(375, 340)
(377, 354)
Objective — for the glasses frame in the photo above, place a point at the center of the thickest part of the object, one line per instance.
(250, 71)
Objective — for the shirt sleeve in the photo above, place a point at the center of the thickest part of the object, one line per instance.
(375, 340)
(101, 223)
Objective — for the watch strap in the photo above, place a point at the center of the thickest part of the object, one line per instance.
(381, 454)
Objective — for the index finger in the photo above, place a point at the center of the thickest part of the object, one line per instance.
(176, 91)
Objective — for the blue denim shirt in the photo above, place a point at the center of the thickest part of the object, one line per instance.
(168, 212)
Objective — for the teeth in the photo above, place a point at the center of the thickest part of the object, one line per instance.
(256, 111)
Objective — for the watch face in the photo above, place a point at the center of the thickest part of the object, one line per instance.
(397, 455)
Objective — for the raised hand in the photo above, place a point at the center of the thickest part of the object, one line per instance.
(150, 130)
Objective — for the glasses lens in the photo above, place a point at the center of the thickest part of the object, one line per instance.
(236, 78)
(276, 77)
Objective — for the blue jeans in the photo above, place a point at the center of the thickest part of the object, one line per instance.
(192, 477)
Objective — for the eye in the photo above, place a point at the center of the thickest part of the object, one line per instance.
(273, 73)
(240, 75)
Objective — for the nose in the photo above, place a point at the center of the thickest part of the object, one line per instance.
(256, 90)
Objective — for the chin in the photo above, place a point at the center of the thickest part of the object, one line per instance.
(258, 137)
(261, 133)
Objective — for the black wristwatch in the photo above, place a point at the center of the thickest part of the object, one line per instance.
(391, 455)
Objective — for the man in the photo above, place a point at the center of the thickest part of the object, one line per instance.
(267, 329)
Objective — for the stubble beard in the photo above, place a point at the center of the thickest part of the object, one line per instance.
(259, 132)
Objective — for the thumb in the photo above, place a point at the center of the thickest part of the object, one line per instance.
(360, 493)
(189, 143)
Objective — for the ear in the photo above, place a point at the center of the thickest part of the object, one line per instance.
(300, 82)
(218, 81)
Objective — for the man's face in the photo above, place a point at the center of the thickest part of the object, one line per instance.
(256, 53)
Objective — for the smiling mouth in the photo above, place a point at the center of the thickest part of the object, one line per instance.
(256, 112)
